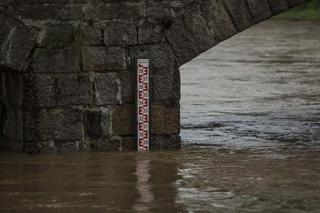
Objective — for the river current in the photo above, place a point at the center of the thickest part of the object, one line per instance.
(250, 115)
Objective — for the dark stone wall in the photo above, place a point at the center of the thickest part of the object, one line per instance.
(11, 110)
(67, 67)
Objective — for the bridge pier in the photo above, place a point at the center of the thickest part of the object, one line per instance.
(68, 69)
(87, 102)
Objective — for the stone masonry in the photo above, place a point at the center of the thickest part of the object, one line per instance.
(67, 67)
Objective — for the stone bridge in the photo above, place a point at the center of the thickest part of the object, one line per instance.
(67, 67)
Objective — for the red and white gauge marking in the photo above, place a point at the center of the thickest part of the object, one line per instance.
(143, 104)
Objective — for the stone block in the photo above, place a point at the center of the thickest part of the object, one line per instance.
(103, 58)
(158, 11)
(5, 29)
(201, 28)
(240, 13)
(57, 61)
(219, 20)
(127, 84)
(196, 23)
(72, 11)
(67, 146)
(166, 88)
(126, 11)
(116, 143)
(44, 90)
(73, 89)
(51, 146)
(53, 124)
(58, 35)
(278, 6)
(150, 33)
(12, 126)
(165, 120)
(107, 88)
(165, 142)
(106, 144)
(128, 144)
(260, 9)
(119, 33)
(39, 90)
(16, 43)
(162, 59)
(48, 147)
(11, 88)
(123, 120)
(97, 123)
(92, 34)
(34, 11)
(182, 42)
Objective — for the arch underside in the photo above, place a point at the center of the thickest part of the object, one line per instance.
(68, 69)
(208, 22)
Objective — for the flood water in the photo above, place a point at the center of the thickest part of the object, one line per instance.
(250, 114)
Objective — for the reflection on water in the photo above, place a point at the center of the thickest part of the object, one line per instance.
(143, 186)
(251, 125)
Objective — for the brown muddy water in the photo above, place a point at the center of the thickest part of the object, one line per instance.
(251, 133)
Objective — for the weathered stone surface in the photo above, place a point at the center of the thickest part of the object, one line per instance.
(127, 11)
(16, 43)
(240, 13)
(91, 34)
(46, 124)
(13, 128)
(107, 145)
(128, 144)
(103, 58)
(33, 11)
(55, 61)
(124, 143)
(118, 33)
(107, 88)
(45, 90)
(200, 28)
(127, 86)
(11, 112)
(164, 142)
(159, 10)
(11, 88)
(278, 6)
(150, 33)
(162, 59)
(73, 90)
(97, 123)
(123, 120)
(260, 9)
(166, 88)
(165, 120)
(108, 33)
(58, 35)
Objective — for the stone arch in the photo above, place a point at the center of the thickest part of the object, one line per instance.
(206, 23)
(70, 65)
